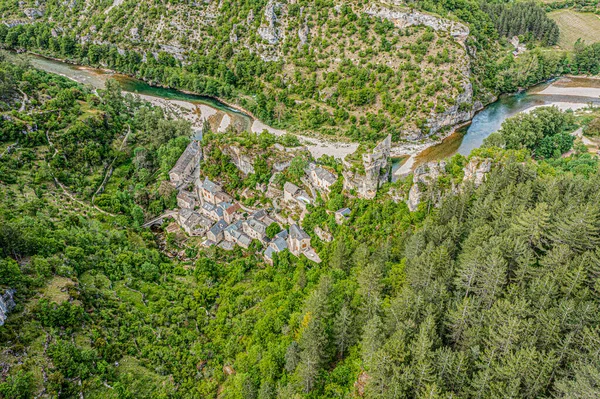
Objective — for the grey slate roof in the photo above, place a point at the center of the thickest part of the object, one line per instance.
(210, 186)
(283, 234)
(297, 233)
(269, 252)
(256, 225)
(279, 244)
(325, 175)
(344, 211)
(218, 227)
(188, 155)
(234, 227)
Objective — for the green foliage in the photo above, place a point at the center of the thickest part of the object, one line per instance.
(18, 386)
(544, 131)
(272, 230)
(526, 18)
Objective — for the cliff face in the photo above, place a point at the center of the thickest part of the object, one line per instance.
(240, 159)
(376, 167)
(425, 176)
(7, 303)
(404, 18)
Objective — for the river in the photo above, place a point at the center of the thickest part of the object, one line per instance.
(566, 93)
(219, 115)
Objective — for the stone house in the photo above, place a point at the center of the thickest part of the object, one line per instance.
(289, 191)
(229, 230)
(212, 211)
(298, 241)
(196, 224)
(277, 245)
(209, 190)
(255, 229)
(186, 164)
(232, 213)
(321, 178)
(242, 239)
(215, 233)
(342, 215)
(221, 196)
(186, 199)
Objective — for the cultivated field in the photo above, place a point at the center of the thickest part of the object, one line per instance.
(574, 25)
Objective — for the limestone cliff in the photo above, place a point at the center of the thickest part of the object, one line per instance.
(375, 171)
(425, 177)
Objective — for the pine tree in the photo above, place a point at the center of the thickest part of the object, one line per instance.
(342, 330)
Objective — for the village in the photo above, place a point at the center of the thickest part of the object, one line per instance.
(205, 210)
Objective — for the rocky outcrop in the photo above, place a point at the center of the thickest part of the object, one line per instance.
(242, 161)
(476, 170)
(462, 111)
(270, 32)
(7, 304)
(376, 171)
(423, 176)
(406, 18)
(33, 13)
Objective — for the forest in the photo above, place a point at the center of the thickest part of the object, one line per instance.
(483, 292)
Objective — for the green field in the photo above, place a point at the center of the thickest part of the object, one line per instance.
(574, 25)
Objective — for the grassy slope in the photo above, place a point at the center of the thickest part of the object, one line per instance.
(574, 25)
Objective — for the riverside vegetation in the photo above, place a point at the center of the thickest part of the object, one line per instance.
(330, 68)
(491, 293)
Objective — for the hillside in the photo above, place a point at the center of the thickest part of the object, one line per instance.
(339, 69)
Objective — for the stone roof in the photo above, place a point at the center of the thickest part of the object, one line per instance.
(290, 188)
(208, 207)
(223, 197)
(185, 213)
(297, 233)
(210, 186)
(344, 211)
(188, 155)
(226, 245)
(218, 227)
(244, 239)
(283, 234)
(185, 195)
(269, 252)
(279, 244)
(325, 175)
(259, 214)
(195, 220)
(234, 227)
(256, 225)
